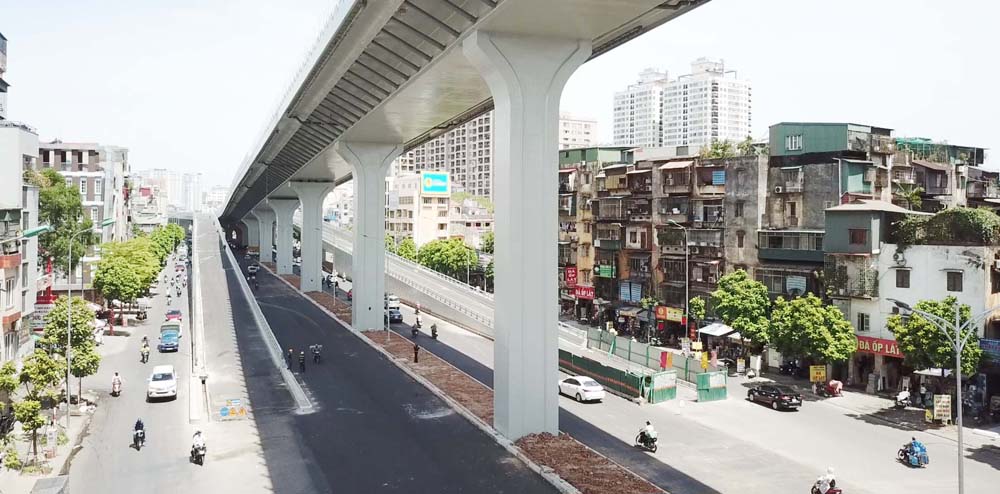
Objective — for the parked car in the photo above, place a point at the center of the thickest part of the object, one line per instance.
(174, 315)
(169, 341)
(394, 315)
(776, 395)
(392, 302)
(582, 388)
(162, 383)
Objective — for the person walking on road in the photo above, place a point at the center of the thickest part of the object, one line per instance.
(302, 362)
(291, 356)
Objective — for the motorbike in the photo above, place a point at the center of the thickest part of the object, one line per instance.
(832, 490)
(317, 353)
(434, 331)
(644, 441)
(826, 390)
(116, 389)
(903, 399)
(414, 330)
(139, 438)
(198, 454)
(788, 369)
(915, 457)
(144, 355)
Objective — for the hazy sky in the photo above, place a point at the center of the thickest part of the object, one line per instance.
(187, 84)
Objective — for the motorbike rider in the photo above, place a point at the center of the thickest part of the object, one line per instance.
(825, 482)
(198, 441)
(139, 426)
(648, 432)
(116, 381)
(302, 361)
(144, 351)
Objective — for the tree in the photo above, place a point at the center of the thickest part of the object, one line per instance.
(29, 414)
(487, 244)
(40, 376)
(54, 337)
(86, 361)
(390, 244)
(745, 147)
(743, 304)
(912, 195)
(805, 327)
(696, 308)
(718, 149)
(407, 249)
(451, 256)
(117, 280)
(924, 345)
(489, 276)
(140, 254)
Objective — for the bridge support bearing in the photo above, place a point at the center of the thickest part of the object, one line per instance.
(283, 211)
(311, 195)
(253, 234)
(526, 76)
(370, 162)
(265, 226)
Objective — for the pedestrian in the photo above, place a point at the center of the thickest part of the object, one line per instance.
(302, 362)
(335, 285)
(291, 355)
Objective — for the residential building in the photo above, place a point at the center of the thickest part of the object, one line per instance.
(707, 105)
(98, 172)
(18, 256)
(946, 174)
(191, 192)
(417, 206)
(339, 206)
(149, 208)
(216, 197)
(465, 152)
(3, 83)
(470, 221)
(576, 131)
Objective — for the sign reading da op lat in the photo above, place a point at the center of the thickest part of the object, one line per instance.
(879, 346)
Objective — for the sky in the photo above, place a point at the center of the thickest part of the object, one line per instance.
(188, 84)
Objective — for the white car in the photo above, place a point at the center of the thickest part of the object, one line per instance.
(582, 388)
(253, 268)
(162, 383)
(392, 302)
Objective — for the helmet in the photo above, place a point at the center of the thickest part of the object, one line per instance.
(829, 471)
(647, 423)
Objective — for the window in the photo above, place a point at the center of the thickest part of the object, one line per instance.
(858, 236)
(69, 182)
(442, 226)
(954, 281)
(792, 208)
(93, 214)
(739, 238)
(902, 278)
(8, 292)
(83, 186)
(739, 209)
(97, 186)
(793, 143)
(864, 322)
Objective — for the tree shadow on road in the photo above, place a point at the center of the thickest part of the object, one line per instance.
(908, 419)
(987, 453)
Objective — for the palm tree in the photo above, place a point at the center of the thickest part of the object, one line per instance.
(912, 195)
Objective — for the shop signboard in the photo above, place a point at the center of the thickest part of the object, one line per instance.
(991, 349)
(584, 292)
(661, 313)
(686, 345)
(717, 380)
(570, 276)
(942, 407)
(38, 317)
(434, 183)
(741, 365)
(879, 346)
(606, 271)
(817, 373)
(664, 313)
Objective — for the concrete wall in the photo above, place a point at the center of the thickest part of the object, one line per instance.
(746, 183)
(15, 144)
(839, 224)
(820, 190)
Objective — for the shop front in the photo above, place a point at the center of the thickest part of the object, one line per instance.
(585, 307)
(877, 365)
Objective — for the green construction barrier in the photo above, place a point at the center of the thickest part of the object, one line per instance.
(711, 386)
(614, 380)
(662, 386)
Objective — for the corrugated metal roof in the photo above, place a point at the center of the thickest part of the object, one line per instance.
(942, 167)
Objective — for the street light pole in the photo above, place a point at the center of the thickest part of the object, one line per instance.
(953, 331)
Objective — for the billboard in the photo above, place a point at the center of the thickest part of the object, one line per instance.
(435, 183)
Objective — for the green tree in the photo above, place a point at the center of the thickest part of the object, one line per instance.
(86, 361)
(40, 375)
(407, 249)
(390, 244)
(743, 304)
(805, 327)
(118, 280)
(29, 414)
(912, 195)
(487, 243)
(451, 256)
(140, 254)
(176, 234)
(489, 276)
(745, 147)
(696, 308)
(718, 149)
(60, 207)
(54, 337)
(924, 345)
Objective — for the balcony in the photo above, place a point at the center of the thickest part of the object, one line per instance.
(936, 191)
(677, 183)
(787, 245)
(982, 190)
(568, 236)
(904, 176)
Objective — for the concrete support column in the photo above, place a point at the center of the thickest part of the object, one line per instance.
(370, 162)
(283, 211)
(253, 234)
(265, 226)
(311, 195)
(526, 76)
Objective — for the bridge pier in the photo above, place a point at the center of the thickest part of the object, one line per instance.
(370, 162)
(265, 226)
(526, 76)
(253, 234)
(311, 195)
(283, 211)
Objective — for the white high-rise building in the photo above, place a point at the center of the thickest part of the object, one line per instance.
(576, 131)
(191, 192)
(638, 111)
(692, 110)
(709, 104)
(465, 152)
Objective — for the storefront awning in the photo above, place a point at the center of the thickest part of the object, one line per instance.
(716, 329)
(629, 312)
(675, 165)
(933, 372)
(636, 172)
(567, 170)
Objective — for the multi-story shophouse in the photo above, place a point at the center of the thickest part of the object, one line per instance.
(580, 273)
(944, 174)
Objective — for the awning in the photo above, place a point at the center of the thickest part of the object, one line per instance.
(636, 172)
(736, 337)
(933, 372)
(675, 165)
(716, 329)
(614, 167)
(789, 168)
(567, 170)
(630, 312)
(941, 167)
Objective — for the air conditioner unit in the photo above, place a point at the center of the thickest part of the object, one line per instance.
(695, 250)
(779, 189)
(670, 181)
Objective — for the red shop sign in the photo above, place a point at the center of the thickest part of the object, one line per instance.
(879, 346)
(571, 276)
(584, 292)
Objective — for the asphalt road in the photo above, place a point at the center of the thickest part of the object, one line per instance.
(377, 430)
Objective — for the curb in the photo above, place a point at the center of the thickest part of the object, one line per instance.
(545, 472)
(298, 394)
(197, 407)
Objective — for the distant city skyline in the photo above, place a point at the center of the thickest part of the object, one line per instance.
(197, 102)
